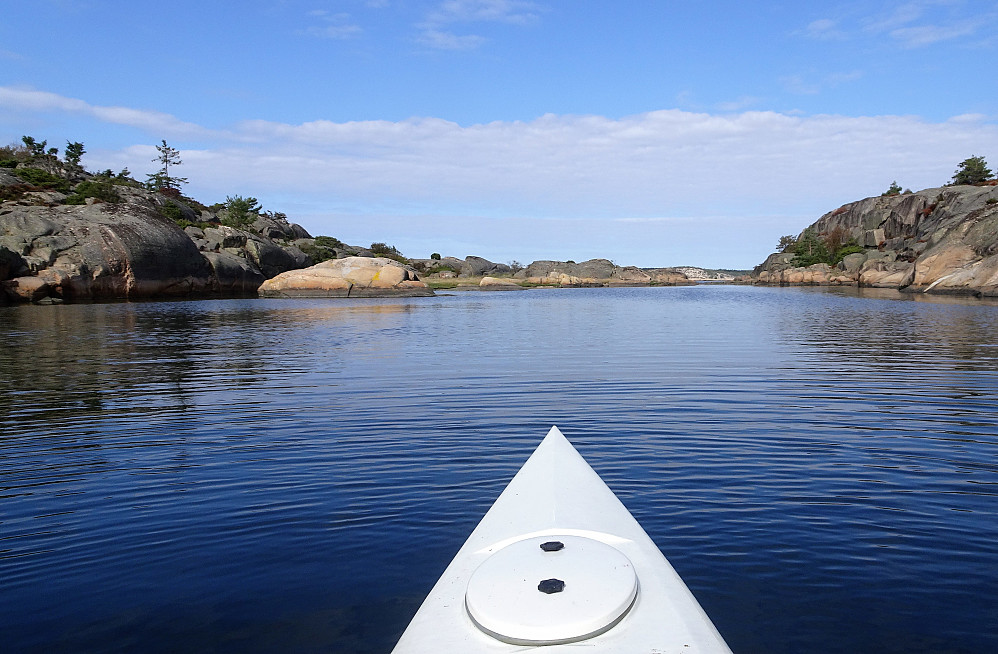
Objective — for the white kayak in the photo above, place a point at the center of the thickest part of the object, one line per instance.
(559, 562)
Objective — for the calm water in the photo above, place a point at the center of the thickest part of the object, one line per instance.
(272, 476)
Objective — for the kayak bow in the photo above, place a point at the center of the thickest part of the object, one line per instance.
(558, 561)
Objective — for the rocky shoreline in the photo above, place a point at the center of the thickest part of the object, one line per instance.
(939, 240)
(65, 242)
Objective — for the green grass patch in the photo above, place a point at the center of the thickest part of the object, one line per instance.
(437, 284)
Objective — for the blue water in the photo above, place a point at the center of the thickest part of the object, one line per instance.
(274, 476)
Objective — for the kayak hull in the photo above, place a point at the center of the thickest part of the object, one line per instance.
(556, 496)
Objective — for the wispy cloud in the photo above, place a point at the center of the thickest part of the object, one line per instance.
(897, 16)
(912, 24)
(442, 40)
(439, 28)
(739, 104)
(922, 35)
(925, 22)
(469, 11)
(813, 85)
(824, 29)
(153, 121)
(10, 56)
(332, 25)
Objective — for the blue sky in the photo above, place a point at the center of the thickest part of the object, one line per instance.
(651, 133)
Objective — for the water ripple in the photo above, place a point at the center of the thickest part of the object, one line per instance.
(266, 475)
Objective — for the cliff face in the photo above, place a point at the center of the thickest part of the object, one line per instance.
(941, 240)
(51, 251)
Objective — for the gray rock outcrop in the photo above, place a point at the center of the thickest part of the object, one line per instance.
(131, 246)
(477, 267)
(940, 240)
(99, 251)
(598, 272)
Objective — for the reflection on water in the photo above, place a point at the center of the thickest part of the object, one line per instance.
(254, 475)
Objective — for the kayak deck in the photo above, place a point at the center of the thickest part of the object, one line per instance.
(559, 562)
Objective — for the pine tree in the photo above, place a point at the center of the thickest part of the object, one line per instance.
(972, 171)
(893, 189)
(74, 151)
(161, 180)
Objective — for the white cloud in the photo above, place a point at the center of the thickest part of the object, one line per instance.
(654, 164)
(561, 182)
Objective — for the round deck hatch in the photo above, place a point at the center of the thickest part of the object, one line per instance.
(534, 592)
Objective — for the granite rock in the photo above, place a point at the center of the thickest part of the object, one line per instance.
(349, 277)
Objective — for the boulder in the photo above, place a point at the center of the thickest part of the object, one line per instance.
(273, 259)
(775, 261)
(45, 198)
(941, 263)
(27, 289)
(979, 278)
(299, 231)
(873, 238)
(852, 263)
(538, 269)
(11, 264)
(8, 178)
(595, 269)
(102, 251)
(477, 266)
(224, 237)
(276, 226)
(233, 274)
(349, 277)
(499, 284)
(880, 273)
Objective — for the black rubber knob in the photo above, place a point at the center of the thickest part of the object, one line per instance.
(551, 586)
